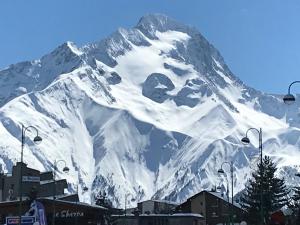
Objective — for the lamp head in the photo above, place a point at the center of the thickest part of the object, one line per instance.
(66, 169)
(245, 140)
(221, 171)
(289, 99)
(85, 189)
(37, 140)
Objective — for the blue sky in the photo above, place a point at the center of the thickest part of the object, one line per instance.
(259, 39)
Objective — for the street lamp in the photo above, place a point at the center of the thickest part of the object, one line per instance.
(84, 189)
(65, 170)
(290, 98)
(132, 199)
(221, 171)
(37, 139)
(246, 141)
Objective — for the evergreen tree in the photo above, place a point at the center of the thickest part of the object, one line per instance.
(296, 203)
(272, 189)
(296, 197)
(102, 200)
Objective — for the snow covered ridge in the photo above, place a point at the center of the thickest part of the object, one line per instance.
(149, 112)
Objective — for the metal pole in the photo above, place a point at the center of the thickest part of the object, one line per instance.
(54, 193)
(230, 207)
(228, 200)
(21, 175)
(231, 171)
(36, 139)
(66, 169)
(125, 209)
(76, 217)
(125, 203)
(261, 176)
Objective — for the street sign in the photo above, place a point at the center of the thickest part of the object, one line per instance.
(25, 220)
(31, 179)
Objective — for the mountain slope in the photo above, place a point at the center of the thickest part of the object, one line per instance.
(149, 112)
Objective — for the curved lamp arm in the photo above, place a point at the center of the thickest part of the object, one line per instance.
(24, 129)
(252, 128)
(246, 140)
(289, 89)
(290, 98)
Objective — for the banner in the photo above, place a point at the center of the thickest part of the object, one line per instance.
(37, 210)
(41, 213)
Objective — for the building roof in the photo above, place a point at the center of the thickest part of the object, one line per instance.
(45, 172)
(75, 203)
(57, 201)
(219, 195)
(60, 197)
(216, 194)
(161, 201)
(163, 215)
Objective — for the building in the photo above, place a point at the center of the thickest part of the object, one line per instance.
(214, 208)
(159, 219)
(35, 184)
(156, 206)
(66, 212)
(157, 212)
(41, 187)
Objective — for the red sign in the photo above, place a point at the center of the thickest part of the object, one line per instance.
(278, 217)
(12, 220)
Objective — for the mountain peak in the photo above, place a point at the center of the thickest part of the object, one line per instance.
(151, 23)
(67, 48)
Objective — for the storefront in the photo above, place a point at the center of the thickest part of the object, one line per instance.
(66, 213)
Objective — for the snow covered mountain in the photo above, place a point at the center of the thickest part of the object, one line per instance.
(149, 112)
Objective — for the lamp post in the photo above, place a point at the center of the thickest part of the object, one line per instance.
(65, 169)
(126, 195)
(221, 171)
(1, 182)
(290, 98)
(132, 199)
(246, 140)
(83, 190)
(37, 139)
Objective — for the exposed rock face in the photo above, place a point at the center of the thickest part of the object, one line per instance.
(156, 87)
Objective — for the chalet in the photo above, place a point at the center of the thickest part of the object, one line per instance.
(213, 206)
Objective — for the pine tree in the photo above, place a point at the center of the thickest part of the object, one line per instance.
(102, 200)
(296, 203)
(273, 190)
(296, 197)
